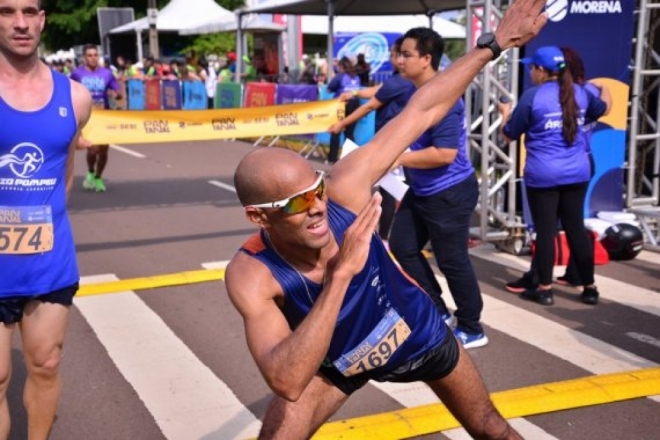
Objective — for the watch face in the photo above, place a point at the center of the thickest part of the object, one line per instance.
(485, 39)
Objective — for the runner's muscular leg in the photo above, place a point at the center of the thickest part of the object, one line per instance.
(464, 394)
(6, 333)
(299, 420)
(43, 328)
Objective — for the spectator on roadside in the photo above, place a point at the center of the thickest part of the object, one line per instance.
(552, 114)
(228, 71)
(346, 81)
(363, 70)
(442, 196)
(571, 277)
(307, 72)
(210, 78)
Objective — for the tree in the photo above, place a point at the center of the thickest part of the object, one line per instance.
(70, 23)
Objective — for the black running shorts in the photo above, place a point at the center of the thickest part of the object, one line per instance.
(11, 308)
(432, 365)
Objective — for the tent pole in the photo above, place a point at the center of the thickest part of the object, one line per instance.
(330, 71)
(138, 40)
(239, 46)
(430, 13)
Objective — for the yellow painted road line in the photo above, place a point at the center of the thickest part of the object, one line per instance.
(540, 399)
(168, 280)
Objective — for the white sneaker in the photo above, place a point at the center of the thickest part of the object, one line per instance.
(471, 340)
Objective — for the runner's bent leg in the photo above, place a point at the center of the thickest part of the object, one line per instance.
(42, 329)
(464, 394)
(299, 420)
(6, 333)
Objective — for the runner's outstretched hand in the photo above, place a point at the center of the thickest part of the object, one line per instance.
(522, 21)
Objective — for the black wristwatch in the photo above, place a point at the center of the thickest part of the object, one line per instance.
(488, 40)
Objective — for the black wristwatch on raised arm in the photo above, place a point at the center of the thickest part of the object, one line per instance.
(488, 40)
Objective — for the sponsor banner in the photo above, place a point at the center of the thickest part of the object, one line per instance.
(258, 94)
(374, 45)
(293, 93)
(126, 127)
(171, 94)
(136, 94)
(153, 95)
(606, 54)
(194, 95)
(228, 95)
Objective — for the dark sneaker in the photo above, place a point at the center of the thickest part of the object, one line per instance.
(543, 297)
(567, 281)
(520, 285)
(589, 296)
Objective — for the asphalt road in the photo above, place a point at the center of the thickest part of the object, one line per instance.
(171, 363)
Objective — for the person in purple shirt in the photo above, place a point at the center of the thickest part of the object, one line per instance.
(103, 86)
(387, 99)
(557, 169)
(571, 277)
(442, 196)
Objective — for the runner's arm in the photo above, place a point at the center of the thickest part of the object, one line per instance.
(81, 100)
(359, 113)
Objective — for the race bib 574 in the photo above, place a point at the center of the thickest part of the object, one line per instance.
(26, 229)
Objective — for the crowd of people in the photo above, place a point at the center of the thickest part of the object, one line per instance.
(328, 307)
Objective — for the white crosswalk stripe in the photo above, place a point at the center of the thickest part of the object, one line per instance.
(183, 395)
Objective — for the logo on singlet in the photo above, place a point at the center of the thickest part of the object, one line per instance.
(24, 160)
(63, 112)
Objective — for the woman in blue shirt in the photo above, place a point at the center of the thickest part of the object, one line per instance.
(557, 169)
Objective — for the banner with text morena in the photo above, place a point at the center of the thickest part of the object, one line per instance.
(141, 127)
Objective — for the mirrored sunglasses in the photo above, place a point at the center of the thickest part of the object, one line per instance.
(301, 201)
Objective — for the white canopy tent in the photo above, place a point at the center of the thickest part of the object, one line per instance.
(251, 22)
(319, 25)
(177, 16)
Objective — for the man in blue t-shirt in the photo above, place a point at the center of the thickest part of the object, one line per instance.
(442, 196)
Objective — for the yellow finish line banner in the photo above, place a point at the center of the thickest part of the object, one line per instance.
(140, 127)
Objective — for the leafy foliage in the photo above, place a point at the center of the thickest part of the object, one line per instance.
(73, 22)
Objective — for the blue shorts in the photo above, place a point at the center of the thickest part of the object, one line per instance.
(11, 308)
(435, 364)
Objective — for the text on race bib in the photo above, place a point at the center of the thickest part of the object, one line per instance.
(26, 229)
(377, 348)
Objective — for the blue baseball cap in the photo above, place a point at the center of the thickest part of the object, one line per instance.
(551, 58)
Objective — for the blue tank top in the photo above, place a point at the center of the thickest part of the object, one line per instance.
(378, 296)
(37, 253)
